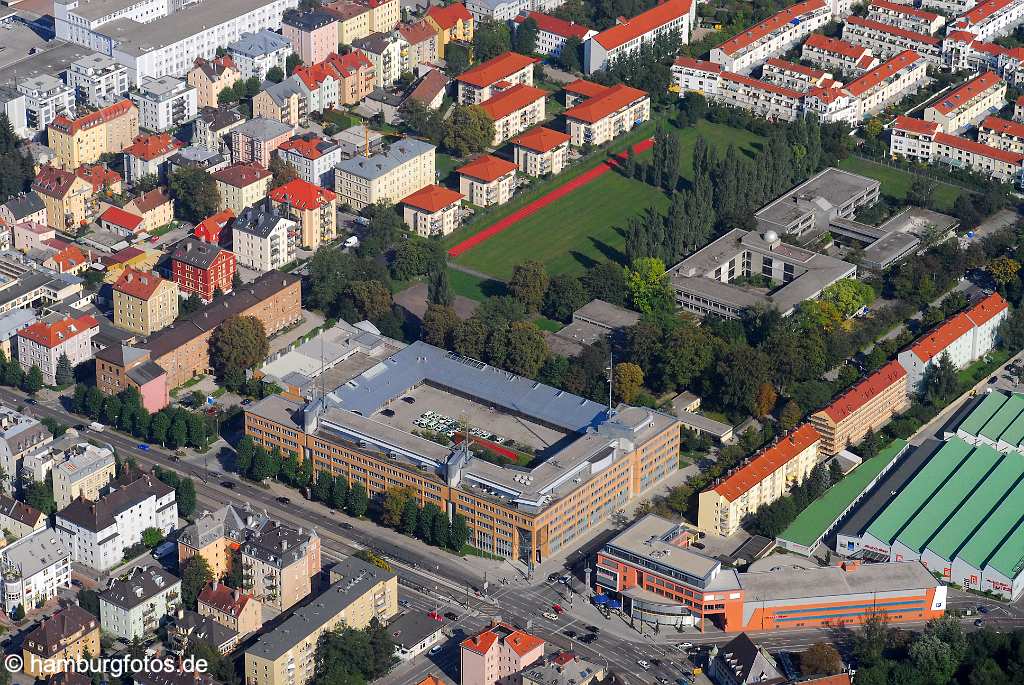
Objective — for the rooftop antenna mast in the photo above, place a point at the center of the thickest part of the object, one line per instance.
(611, 380)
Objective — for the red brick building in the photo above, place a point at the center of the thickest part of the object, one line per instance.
(201, 268)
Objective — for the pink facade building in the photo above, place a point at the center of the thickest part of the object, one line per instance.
(497, 653)
(42, 344)
(256, 140)
(314, 35)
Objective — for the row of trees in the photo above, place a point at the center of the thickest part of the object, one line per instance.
(400, 509)
(13, 375)
(16, 168)
(184, 491)
(771, 520)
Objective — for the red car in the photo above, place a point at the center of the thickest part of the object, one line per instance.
(558, 608)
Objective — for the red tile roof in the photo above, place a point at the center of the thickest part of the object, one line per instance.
(700, 64)
(493, 70)
(997, 125)
(209, 229)
(431, 680)
(149, 147)
(306, 146)
(584, 88)
(882, 72)
(512, 100)
(559, 27)
(241, 174)
(904, 9)
(598, 107)
(976, 148)
(51, 335)
(645, 22)
(417, 33)
(53, 181)
(541, 139)
(137, 284)
(487, 168)
(432, 198)
(983, 11)
(796, 68)
(119, 217)
(302, 194)
(147, 202)
(98, 175)
(766, 463)
(762, 85)
(865, 391)
(933, 344)
(449, 15)
(769, 25)
(225, 599)
(73, 126)
(892, 30)
(964, 36)
(967, 92)
(68, 257)
(835, 45)
(919, 126)
(987, 309)
(518, 641)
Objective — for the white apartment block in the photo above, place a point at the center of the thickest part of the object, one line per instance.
(607, 115)
(97, 533)
(433, 211)
(132, 606)
(1002, 134)
(388, 176)
(257, 53)
(991, 19)
(773, 36)
(905, 17)
(926, 142)
(982, 95)
(263, 239)
(837, 55)
(75, 20)
(487, 180)
(762, 99)
(12, 103)
(965, 337)
(98, 80)
(384, 50)
(889, 82)
(165, 103)
(485, 80)
(20, 435)
(515, 110)
(33, 569)
(885, 41)
(46, 97)
(542, 151)
(314, 158)
(949, 8)
(42, 344)
(628, 36)
(83, 470)
(794, 76)
(697, 76)
(552, 32)
(962, 51)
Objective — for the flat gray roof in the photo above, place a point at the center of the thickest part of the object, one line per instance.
(651, 536)
(829, 189)
(97, 9)
(47, 60)
(788, 583)
(263, 128)
(378, 165)
(704, 424)
(34, 552)
(606, 314)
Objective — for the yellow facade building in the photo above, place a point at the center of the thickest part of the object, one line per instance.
(83, 140)
(453, 23)
(71, 633)
(242, 185)
(144, 302)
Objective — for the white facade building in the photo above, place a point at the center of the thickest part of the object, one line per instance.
(257, 53)
(13, 104)
(905, 17)
(165, 103)
(991, 19)
(926, 142)
(20, 435)
(33, 570)
(384, 50)
(982, 95)
(263, 239)
(837, 55)
(627, 37)
(313, 158)
(132, 606)
(75, 20)
(46, 97)
(552, 32)
(885, 41)
(42, 344)
(98, 80)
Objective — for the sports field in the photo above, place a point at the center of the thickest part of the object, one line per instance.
(896, 182)
(587, 225)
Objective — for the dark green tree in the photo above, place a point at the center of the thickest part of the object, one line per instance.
(240, 342)
(195, 193)
(33, 380)
(490, 39)
(358, 500)
(524, 40)
(569, 56)
(195, 575)
(65, 375)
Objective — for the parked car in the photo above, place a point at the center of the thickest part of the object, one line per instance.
(550, 616)
(643, 664)
(557, 608)
(436, 649)
(227, 484)
(284, 500)
(982, 609)
(979, 623)
(552, 577)
(593, 629)
(451, 616)
(143, 446)
(97, 426)
(163, 549)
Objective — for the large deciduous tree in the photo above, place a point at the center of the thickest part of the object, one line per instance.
(238, 343)
(195, 193)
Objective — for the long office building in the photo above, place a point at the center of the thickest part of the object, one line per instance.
(541, 466)
(662, 579)
(867, 406)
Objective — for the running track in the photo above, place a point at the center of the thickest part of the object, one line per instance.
(543, 201)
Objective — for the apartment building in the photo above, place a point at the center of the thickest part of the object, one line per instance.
(762, 480)
(965, 337)
(541, 151)
(885, 40)
(43, 344)
(360, 593)
(1002, 134)
(18, 519)
(967, 104)
(384, 51)
(924, 141)
(552, 32)
(81, 471)
(23, 208)
(67, 196)
(236, 610)
(148, 155)
(210, 77)
(216, 535)
(46, 98)
(188, 628)
(313, 35)
(256, 139)
(990, 19)
(287, 101)
(629, 35)
(496, 653)
(606, 115)
(98, 80)
(242, 185)
(165, 103)
(144, 303)
(518, 514)
(257, 53)
(697, 76)
(69, 634)
(867, 406)
(837, 55)
(120, 366)
(452, 22)
(763, 99)
(155, 207)
(84, 140)
(483, 81)
(35, 567)
(353, 19)
(487, 180)
(310, 206)
(433, 211)
(421, 40)
(278, 564)
(12, 103)
(794, 76)
(399, 170)
(20, 436)
(962, 50)
(514, 110)
(263, 238)
(772, 37)
(312, 157)
(340, 80)
(74, 20)
(211, 229)
(202, 269)
(887, 83)
(134, 605)
(906, 17)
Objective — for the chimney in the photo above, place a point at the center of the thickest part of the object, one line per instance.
(215, 585)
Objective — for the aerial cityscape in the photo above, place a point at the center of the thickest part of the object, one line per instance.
(511, 342)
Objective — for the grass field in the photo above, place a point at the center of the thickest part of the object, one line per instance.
(587, 226)
(445, 164)
(472, 287)
(896, 182)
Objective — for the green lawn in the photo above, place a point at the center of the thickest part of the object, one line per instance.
(587, 226)
(896, 182)
(445, 164)
(472, 287)
(550, 325)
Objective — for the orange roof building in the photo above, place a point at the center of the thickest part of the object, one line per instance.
(481, 82)
(313, 207)
(144, 303)
(760, 481)
(119, 221)
(867, 406)
(43, 344)
(608, 114)
(85, 139)
(541, 151)
(964, 337)
(211, 229)
(629, 34)
(985, 92)
(487, 180)
(514, 110)
(433, 211)
(498, 652)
